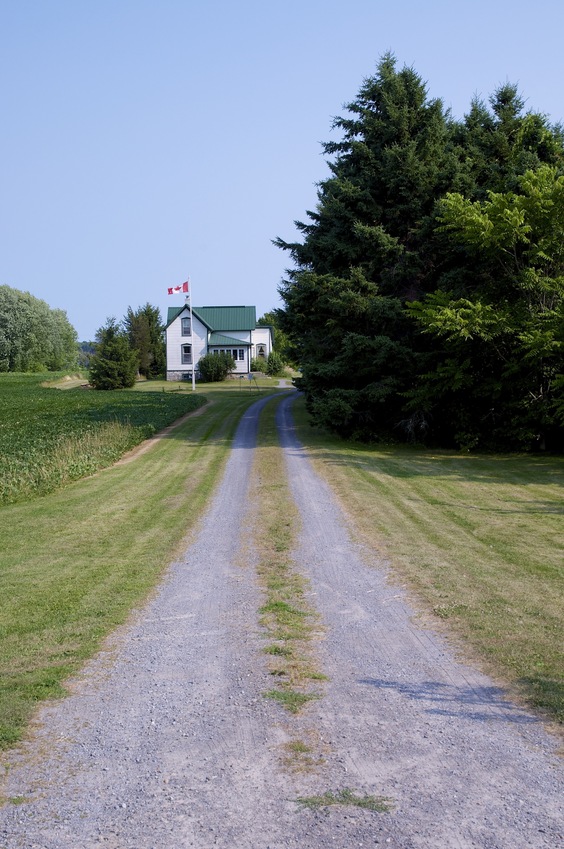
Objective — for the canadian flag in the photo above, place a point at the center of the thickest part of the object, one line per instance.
(177, 290)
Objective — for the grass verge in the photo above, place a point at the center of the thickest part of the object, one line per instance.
(480, 539)
(290, 623)
(75, 562)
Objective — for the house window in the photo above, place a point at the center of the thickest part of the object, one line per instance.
(241, 354)
(186, 355)
(261, 352)
(186, 327)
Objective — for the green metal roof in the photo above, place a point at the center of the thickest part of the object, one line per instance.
(228, 318)
(219, 339)
(220, 318)
(172, 313)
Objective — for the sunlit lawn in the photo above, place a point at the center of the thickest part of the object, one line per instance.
(74, 563)
(479, 538)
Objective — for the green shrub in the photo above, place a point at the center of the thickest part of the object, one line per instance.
(215, 367)
(274, 364)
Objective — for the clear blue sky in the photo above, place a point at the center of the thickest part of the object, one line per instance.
(143, 141)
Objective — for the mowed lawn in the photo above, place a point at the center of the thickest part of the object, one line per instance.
(479, 538)
(75, 562)
(49, 437)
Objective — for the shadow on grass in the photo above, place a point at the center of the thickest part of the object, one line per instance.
(402, 462)
(545, 693)
(523, 507)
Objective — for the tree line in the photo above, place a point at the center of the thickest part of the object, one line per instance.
(425, 301)
(33, 336)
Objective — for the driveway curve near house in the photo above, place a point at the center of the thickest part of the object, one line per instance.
(166, 740)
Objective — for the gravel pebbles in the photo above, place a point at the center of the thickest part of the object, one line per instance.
(166, 741)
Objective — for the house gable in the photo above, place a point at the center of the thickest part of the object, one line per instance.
(214, 328)
(174, 313)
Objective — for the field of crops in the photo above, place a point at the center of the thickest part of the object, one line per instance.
(49, 437)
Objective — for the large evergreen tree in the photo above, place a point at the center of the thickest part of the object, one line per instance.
(396, 249)
(144, 329)
(366, 250)
(114, 363)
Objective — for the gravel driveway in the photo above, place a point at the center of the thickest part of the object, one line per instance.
(167, 742)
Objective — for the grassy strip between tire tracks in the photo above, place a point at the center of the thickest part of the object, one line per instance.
(479, 538)
(290, 623)
(75, 562)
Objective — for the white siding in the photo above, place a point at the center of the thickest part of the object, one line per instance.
(241, 366)
(261, 336)
(175, 341)
(199, 340)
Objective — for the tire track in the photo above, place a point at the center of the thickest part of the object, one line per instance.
(466, 767)
(166, 740)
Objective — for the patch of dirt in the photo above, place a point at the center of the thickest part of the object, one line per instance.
(69, 381)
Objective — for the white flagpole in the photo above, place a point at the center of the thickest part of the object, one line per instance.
(189, 300)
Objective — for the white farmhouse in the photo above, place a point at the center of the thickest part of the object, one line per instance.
(213, 329)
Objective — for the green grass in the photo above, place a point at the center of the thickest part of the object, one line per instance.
(479, 538)
(74, 563)
(292, 700)
(290, 623)
(49, 438)
(378, 804)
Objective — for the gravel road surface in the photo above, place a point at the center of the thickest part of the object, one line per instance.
(167, 742)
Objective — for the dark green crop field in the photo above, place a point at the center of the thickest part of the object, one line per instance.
(49, 437)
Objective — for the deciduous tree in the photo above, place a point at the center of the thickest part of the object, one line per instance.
(504, 339)
(33, 336)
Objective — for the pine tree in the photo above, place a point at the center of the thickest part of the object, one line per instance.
(145, 333)
(365, 252)
(114, 364)
(426, 294)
